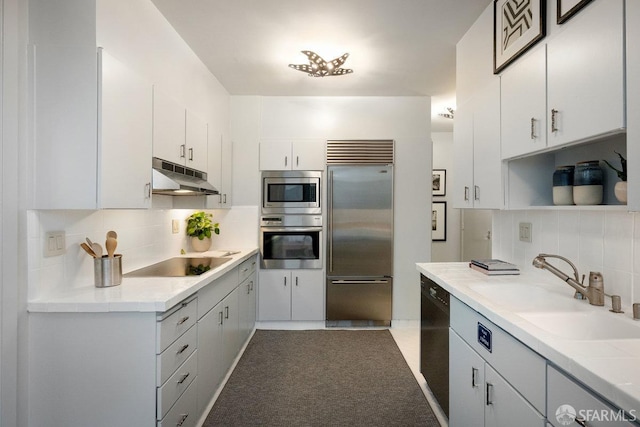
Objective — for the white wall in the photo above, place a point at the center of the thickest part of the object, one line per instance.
(443, 159)
(403, 119)
(607, 241)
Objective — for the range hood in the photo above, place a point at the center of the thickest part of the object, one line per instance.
(173, 179)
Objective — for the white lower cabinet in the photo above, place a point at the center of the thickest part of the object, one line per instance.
(568, 401)
(247, 298)
(480, 396)
(496, 380)
(488, 385)
(291, 295)
(135, 368)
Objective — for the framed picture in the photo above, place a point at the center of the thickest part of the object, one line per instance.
(439, 221)
(439, 182)
(568, 8)
(517, 25)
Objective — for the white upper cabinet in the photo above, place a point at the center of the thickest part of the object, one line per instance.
(168, 128)
(124, 136)
(585, 69)
(633, 102)
(292, 155)
(196, 142)
(179, 135)
(524, 105)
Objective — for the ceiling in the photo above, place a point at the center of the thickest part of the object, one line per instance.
(396, 47)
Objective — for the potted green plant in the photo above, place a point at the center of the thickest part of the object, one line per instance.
(620, 189)
(200, 227)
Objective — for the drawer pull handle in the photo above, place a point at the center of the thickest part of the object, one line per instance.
(183, 148)
(220, 320)
(474, 373)
(489, 394)
(476, 192)
(554, 125)
(251, 284)
(182, 420)
(184, 347)
(184, 378)
(466, 193)
(181, 321)
(533, 128)
(226, 312)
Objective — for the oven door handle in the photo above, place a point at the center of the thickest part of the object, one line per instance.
(289, 229)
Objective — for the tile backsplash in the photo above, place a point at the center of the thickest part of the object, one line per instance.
(144, 237)
(607, 241)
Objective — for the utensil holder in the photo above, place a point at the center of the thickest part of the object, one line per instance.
(107, 271)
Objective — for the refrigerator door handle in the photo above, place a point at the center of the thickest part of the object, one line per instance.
(360, 282)
(330, 218)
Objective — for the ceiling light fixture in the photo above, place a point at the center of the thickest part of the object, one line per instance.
(449, 115)
(318, 67)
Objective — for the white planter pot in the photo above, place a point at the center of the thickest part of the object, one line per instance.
(200, 245)
(620, 191)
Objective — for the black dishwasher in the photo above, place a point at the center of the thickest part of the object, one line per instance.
(434, 340)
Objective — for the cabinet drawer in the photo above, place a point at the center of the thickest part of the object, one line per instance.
(175, 322)
(246, 268)
(176, 385)
(183, 413)
(215, 291)
(169, 360)
(518, 364)
(562, 390)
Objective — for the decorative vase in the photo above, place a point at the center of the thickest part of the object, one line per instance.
(587, 183)
(620, 190)
(563, 185)
(200, 245)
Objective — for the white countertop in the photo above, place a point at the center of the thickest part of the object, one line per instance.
(148, 294)
(611, 367)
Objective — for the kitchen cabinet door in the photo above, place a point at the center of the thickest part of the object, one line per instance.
(275, 155)
(308, 155)
(230, 326)
(466, 384)
(586, 75)
(632, 12)
(196, 155)
(125, 136)
(168, 128)
(210, 373)
(523, 105)
(247, 306)
(274, 295)
(220, 169)
(307, 295)
(503, 404)
(477, 178)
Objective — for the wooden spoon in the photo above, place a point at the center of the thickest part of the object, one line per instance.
(111, 244)
(112, 233)
(88, 249)
(97, 249)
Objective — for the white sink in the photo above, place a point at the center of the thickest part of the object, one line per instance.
(518, 297)
(584, 325)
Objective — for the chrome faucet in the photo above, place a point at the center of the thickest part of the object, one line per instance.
(594, 292)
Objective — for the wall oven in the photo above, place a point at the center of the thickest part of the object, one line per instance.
(291, 241)
(291, 192)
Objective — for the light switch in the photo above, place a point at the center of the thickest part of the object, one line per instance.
(54, 243)
(175, 226)
(525, 233)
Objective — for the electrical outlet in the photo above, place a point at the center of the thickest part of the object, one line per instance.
(54, 243)
(525, 232)
(175, 226)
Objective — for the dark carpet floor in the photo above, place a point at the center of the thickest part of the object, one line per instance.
(322, 378)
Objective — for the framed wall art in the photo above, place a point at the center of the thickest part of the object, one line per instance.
(439, 221)
(439, 184)
(517, 26)
(567, 8)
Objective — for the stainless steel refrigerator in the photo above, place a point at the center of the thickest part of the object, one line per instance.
(359, 245)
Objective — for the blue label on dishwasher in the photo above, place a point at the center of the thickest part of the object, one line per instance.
(484, 336)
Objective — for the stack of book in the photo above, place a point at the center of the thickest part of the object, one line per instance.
(493, 267)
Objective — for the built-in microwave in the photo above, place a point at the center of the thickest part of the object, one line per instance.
(291, 192)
